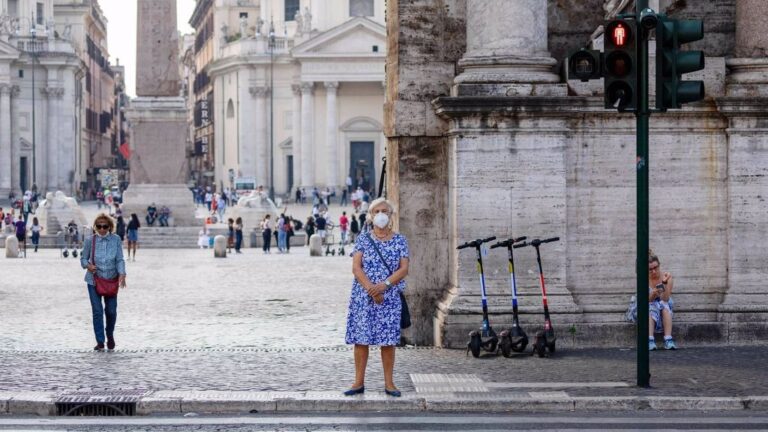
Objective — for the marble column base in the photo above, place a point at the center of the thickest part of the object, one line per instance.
(177, 197)
(508, 76)
(748, 77)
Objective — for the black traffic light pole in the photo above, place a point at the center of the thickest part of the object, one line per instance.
(643, 115)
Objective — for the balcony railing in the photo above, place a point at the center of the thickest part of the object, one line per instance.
(42, 45)
(258, 45)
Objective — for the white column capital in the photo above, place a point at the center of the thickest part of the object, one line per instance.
(259, 91)
(331, 85)
(296, 89)
(6, 89)
(15, 91)
(52, 92)
(307, 87)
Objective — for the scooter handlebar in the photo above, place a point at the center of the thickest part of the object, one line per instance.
(476, 243)
(508, 242)
(539, 242)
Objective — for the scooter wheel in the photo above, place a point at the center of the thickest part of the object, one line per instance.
(493, 345)
(475, 344)
(506, 346)
(520, 345)
(540, 346)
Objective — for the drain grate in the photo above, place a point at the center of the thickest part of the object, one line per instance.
(100, 403)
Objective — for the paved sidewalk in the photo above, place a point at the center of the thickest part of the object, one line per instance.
(309, 379)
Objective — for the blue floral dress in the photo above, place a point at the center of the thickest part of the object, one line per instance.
(369, 323)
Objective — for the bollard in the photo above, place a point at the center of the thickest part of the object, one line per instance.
(220, 246)
(11, 247)
(315, 245)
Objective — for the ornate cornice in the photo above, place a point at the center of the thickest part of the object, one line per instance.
(259, 91)
(52, 92)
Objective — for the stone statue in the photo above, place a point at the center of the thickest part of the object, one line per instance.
(299, 23)
(67, 34)
(259, 25)
(307, 21)
(50, 28)
(615, 7)
(243, 26)
(224, 34)
(6, 25)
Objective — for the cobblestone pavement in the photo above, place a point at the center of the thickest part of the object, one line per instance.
(181, 299)
(685, 372)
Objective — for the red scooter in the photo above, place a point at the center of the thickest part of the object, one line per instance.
(545, 339)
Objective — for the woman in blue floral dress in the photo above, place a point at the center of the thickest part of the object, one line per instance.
(374, 306)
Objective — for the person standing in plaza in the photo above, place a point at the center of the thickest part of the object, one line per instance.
(133, 235)
(266, 234)
(344, 198)
(102, 256)
(379, 264)
(238, 234)
(281, 233)
(344, 227)
(320, 224)
(21, 233)
(309, 228)
(120, 228)
(35, 229)
(230, 234)
(354, 229)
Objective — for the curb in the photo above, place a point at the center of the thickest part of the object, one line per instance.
(219, 402)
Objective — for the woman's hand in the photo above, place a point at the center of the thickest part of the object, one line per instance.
(92, 268)
(122, 281)
(666, 278)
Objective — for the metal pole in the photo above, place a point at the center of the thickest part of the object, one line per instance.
(271, 113)
(34, 145)
(643, 115)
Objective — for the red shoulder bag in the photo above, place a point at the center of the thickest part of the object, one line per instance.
(104, 287)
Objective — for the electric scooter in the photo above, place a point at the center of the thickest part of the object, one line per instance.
(513, 338)
(545, 339)
(485, 338)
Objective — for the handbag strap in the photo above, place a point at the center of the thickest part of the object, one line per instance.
(93, 250)
(378, 252)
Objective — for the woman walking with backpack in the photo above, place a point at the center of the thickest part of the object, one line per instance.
(102, 257)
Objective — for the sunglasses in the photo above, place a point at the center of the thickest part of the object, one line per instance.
(102, 226)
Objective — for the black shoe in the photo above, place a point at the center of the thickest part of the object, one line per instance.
(110, 343)
(99, 347)
(355, 391)
(393, 393)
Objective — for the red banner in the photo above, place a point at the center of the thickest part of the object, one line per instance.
(125, 150)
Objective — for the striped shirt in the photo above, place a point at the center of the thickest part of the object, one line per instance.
(109, 257)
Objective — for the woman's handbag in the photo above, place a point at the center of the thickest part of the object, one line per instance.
(405, 314)
(104, 287)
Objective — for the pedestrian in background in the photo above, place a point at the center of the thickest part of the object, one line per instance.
(21, 233)
(379, 265)
(35, 229)
(288, 233)
(266, 233)
(354, 229)
(230, 234)
(281, 233)
(238, 234)
(309, 228)
(660, 303)
(344, 227)
(102, 256)
(120, 228)
(133, 235)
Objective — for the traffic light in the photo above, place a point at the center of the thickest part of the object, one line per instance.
(671, 63)
(620, 67)
(585, 65)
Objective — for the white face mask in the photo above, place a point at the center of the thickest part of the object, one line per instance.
(381, 220)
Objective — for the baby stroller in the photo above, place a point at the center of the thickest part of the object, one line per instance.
(71, 241)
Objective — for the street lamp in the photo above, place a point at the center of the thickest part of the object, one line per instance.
(271, 109)
(32, 52)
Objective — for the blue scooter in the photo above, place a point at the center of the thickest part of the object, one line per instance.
(514, 338)
(485, 338)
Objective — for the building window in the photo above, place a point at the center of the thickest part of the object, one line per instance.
(40, 14)
(360, 8)
(21, 73)
(291, 7)
(13, 8)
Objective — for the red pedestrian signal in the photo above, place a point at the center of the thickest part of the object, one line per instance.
(619, 35)
(620, 65)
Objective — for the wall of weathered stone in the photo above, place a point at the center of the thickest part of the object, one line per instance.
(425, 39)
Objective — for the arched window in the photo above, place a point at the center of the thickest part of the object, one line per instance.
(230, 109)
(362, 8)
(291, 7)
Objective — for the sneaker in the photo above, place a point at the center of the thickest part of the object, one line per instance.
(669, 344)
(651, 346)
(110, 344)
(99, 347)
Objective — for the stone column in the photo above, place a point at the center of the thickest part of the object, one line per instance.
(262, 140)
(332, 131)
(507, 51)
(296, 135)
(15, 144)
(307, 134)
(51, 147)
(5, 139)
(749, 67)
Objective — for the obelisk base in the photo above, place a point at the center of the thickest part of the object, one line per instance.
(177, 197)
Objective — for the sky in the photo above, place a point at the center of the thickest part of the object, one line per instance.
(121, 33)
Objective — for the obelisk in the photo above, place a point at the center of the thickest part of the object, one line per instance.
(158, 119)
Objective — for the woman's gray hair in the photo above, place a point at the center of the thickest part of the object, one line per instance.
(378, 201)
